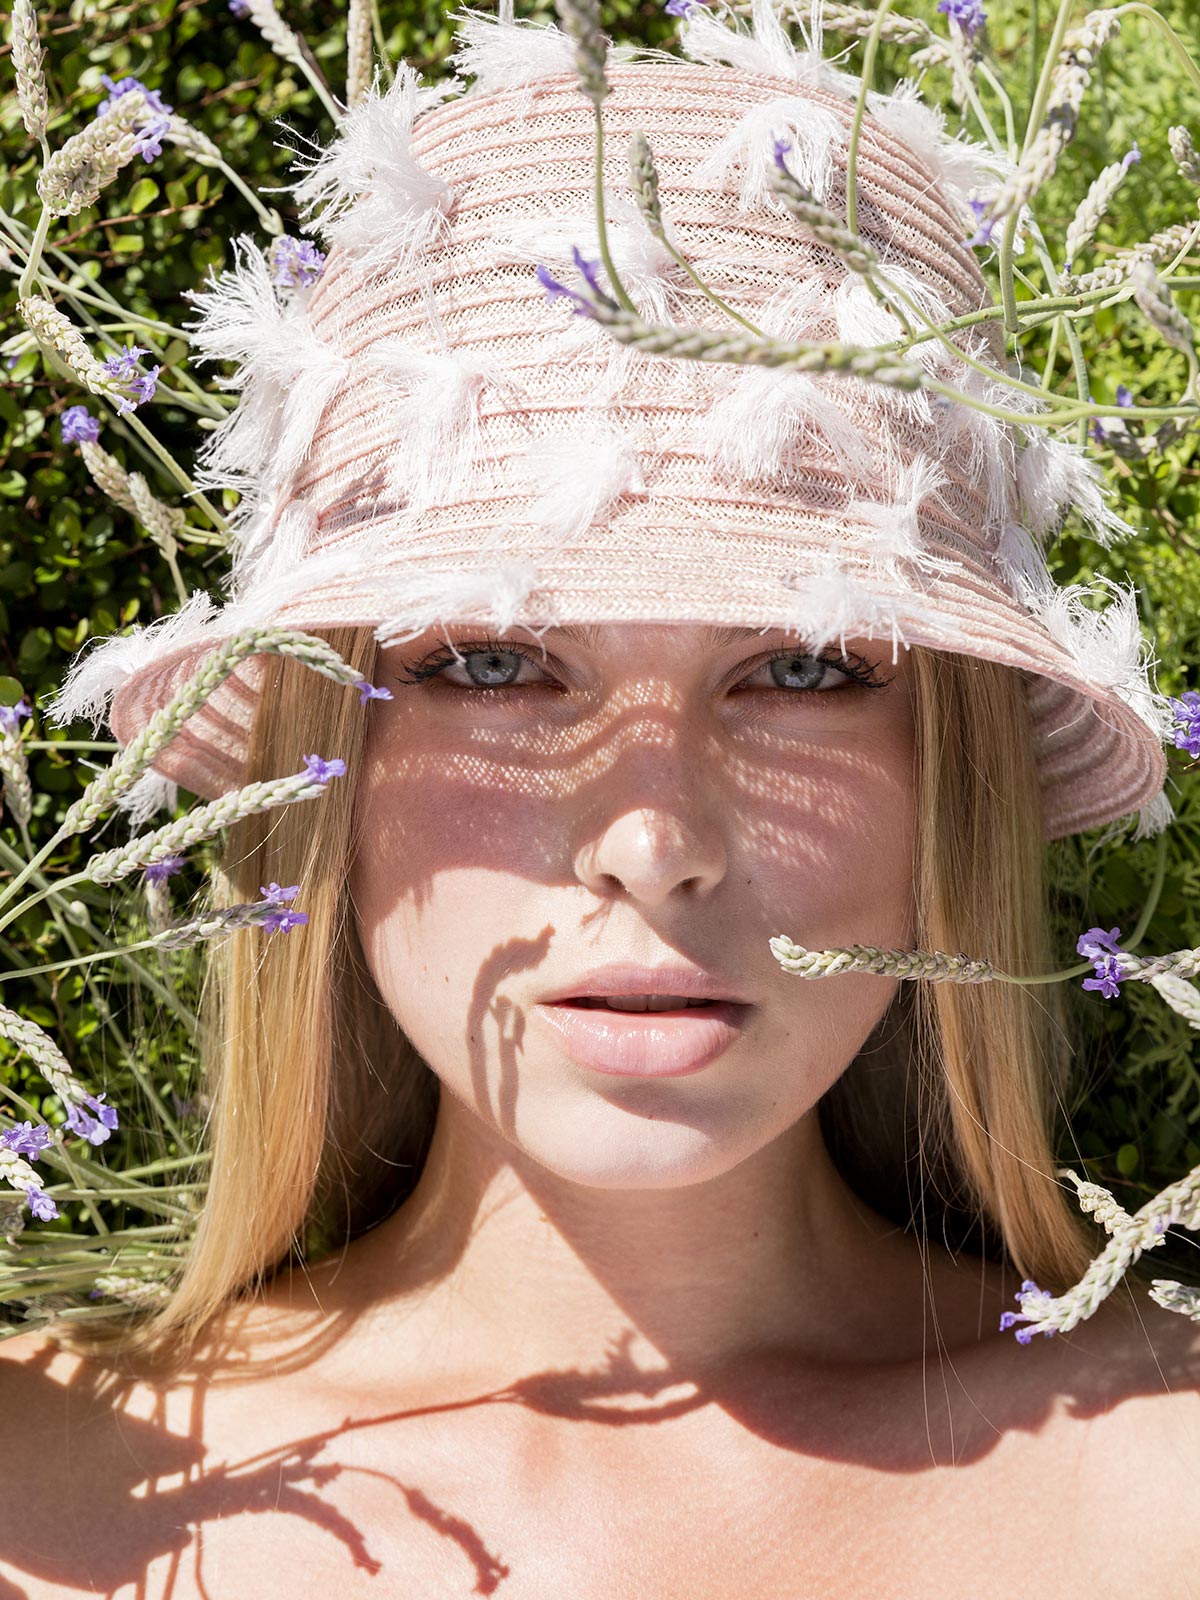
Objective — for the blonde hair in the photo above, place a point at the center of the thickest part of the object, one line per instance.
(322, 1112)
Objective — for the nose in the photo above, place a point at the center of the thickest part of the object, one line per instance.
(650, 854)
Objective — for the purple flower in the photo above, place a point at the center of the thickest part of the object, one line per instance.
(582, 306)
(1131, 155)
(240, 8)
(1187, 718)
(79, 426)
(681, 8)
(1095, 943)
(123, 365)
(1027, 1292)
(969, 14)
(10, 716)
(1099, 433)
(27, 1139)
(282, 920)
(274, 895)
(124, 86)
(296, 263)
(41, 1204)
(160, 871)
(983, 233)
(372, 691)
(1124, 395)
(322, 771)
(148, 143)
(779, 147)
(94, 1129)
(1108, 978)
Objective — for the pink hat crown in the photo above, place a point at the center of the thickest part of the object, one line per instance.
(421, 437)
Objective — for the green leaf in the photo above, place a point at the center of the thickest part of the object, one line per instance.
(145, 193)
(1127, 1160)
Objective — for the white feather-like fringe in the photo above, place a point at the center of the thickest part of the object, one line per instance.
(152, 792)
(419, 601)
(1022, 564)
(759, 428)
(96, 673)
(366, 191)
(889, 530)
(279, 545)
(816, 136)
(1107, 645)
(765, 48)
(982, 447)
(960, 167)
(1153, 818)
(288, 376)
(580, 476)
(862, 320)
(499, 53)
(433, 398)
(832, 603)
(1054, 476)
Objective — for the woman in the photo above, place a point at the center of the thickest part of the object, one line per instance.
(635, 1265)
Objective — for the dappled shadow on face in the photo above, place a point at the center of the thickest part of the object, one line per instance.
(102, 1493)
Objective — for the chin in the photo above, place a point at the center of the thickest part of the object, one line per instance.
(647, 1136)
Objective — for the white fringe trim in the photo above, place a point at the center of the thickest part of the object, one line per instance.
(499, 53)
(816, 135)
(366, 192)
(764, 48)
(1153, 818)
(421, 600)
(960, 167)
(580, 476)
(152, 792)
(103, 665)
(1053, 477)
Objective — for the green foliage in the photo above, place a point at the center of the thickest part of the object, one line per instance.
(72, 565)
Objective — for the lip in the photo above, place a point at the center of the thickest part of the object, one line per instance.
(645, 1044)
(624, 977)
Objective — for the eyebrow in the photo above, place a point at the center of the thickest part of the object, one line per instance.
(587, 635)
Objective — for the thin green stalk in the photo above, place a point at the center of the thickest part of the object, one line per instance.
(601, 226)
(870, 50)
(1006, 105)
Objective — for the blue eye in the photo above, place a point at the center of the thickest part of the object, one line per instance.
(487, 666)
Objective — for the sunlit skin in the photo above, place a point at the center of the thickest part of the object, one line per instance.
(648, 793)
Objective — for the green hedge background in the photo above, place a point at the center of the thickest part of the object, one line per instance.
(73, 566)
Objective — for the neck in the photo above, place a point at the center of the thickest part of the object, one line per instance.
(513, 1270)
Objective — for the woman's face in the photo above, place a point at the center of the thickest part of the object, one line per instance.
(657, 795)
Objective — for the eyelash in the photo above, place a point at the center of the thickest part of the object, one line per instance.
(430, 666)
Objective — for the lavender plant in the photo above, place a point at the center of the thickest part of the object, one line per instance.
(119, 358)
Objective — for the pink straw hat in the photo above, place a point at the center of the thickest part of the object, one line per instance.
(425, 435)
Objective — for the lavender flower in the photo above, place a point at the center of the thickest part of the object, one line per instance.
(1131, 155)
(1027, 1293)
(124, 86)
(1187, 718)
(1124, 395)
(122, 365)
(160, 871)
(282, 920)
(41, 1205)
(296, 263)
(27, 1138)
(590, 271)
(240, 8)
(969, 14)
(95, 1129)
(276, 896)
(148, 143)
(1095, 944)
(10, 716)
(79, 426)
(1108, 978)
(983, 233)
(372, 691)
(141, 388)
(321, 771)
(1104, 951)
(681, 8)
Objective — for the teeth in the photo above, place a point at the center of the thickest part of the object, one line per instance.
(650, 1002)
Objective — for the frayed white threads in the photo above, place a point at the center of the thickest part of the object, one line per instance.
(419, 601)
(433, 400)
(764, 429)
(366, 192)
(150, 794)
(831, 603)
(581, 478)
(1054, 476)
(96, 674)
(892, 526)
(288, 376)
(500, 53)
(960, 167)
(278, 546)
(764, 48)
(816, 137)
(1021, 563)
(1107, 646)
(1152, 819)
